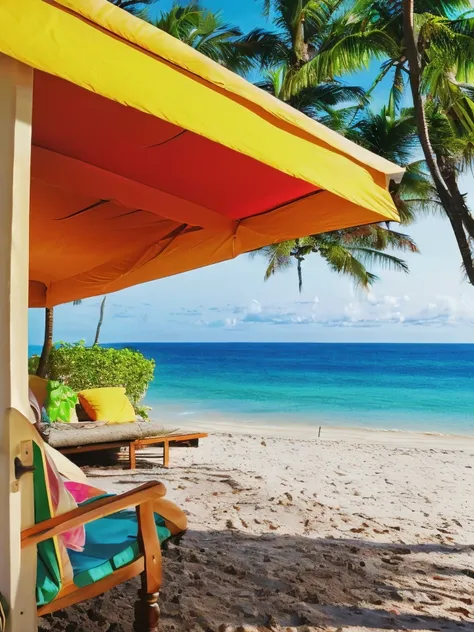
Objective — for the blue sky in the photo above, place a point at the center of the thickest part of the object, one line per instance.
(231, 302)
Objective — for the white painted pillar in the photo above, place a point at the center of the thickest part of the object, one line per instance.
(17, 571)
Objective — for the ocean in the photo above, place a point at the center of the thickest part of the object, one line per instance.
(417, 387)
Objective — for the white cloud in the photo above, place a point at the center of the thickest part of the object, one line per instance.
(366, 311)
(255, 307)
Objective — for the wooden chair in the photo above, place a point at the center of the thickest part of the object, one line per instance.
(131, 546)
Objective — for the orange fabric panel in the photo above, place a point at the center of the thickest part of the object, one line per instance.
(73, 175)
(87, 127)
(36, 293)
(67, 240)
(194, 250)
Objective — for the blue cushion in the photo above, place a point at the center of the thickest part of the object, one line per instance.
(111, 543)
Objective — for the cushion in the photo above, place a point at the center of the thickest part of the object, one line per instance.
(107, 404)
(111, 542)
(92, 432)
(39, 388)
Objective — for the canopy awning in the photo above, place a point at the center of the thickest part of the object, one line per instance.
(149, 159)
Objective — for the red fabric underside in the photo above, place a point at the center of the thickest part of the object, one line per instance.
(77, 123)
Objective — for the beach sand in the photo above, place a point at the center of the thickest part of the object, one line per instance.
(353, 531)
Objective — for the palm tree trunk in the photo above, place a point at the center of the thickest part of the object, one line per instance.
(48, 342)
(448, 171)
(451, 204)
(300, 274)
(300, 48)
(101, 320)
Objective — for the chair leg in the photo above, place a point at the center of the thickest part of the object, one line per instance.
(147, 612)
(176, 539)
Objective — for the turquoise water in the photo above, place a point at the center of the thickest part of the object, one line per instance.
(406, 387)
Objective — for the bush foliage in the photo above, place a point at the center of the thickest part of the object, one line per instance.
(83, 367)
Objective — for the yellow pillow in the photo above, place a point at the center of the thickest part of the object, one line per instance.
(38, 387)
(107, 404)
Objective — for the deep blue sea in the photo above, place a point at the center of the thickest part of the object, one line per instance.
(425, 387)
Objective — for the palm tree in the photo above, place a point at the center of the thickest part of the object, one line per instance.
(449, 64)
(132, 6)
(346, 252)
(436, 59)
(314, 101)
(371, 19)
(207, 32)
(395, 138)
(317, 42)
(313, 47)
(47, 343)
(350, 251)
(100, 321)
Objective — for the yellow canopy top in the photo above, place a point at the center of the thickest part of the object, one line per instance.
(149, 159)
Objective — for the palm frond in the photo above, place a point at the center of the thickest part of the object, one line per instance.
(370, 256)
(343, 261)
(346, 55)
(224, 43)
(132, 6)
(325, 96)
(265, 49)
(278, 256)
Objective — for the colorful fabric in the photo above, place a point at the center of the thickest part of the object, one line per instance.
(82, 492)
(63, 501)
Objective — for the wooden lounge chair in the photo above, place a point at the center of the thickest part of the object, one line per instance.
(133, 539)
(90, 437)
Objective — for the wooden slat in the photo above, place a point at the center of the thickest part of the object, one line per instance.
(92, 511)
(170, 438)
(91, 447)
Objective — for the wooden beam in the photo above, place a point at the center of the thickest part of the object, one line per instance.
(17, 571)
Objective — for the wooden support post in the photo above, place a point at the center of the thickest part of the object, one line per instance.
(132, 455)
(166, 453)
(17, 570)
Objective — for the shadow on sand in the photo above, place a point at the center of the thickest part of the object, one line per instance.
(218, 581)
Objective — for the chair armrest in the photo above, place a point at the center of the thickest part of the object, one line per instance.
(92, 511)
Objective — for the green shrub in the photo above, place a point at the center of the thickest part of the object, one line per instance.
(33, 362)
(83, 367)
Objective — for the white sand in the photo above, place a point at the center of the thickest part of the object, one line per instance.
(353, 531)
